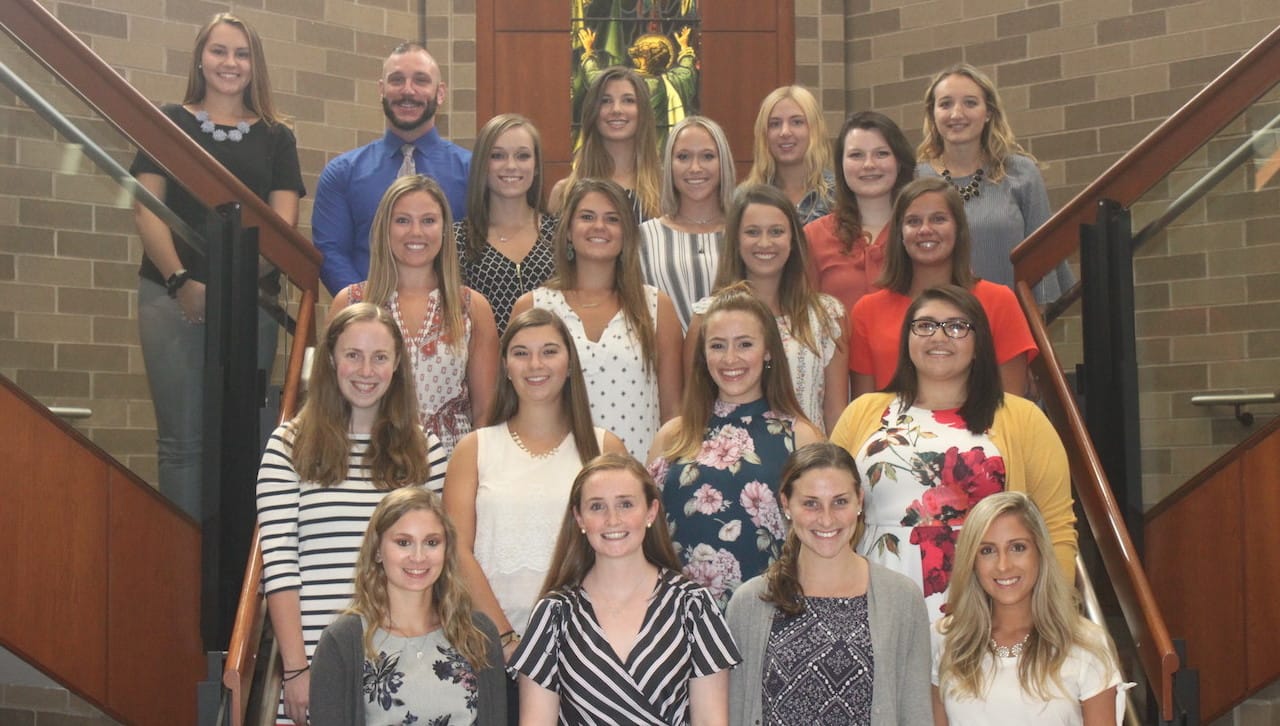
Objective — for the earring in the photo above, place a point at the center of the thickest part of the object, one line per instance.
(648, 524)
(199, 66)
(584, 531)
(568, 252)
(786, 516)
(768, 364)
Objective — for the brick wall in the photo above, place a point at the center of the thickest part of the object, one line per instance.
(1083, 81)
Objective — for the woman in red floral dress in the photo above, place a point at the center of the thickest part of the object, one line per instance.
(942, 436)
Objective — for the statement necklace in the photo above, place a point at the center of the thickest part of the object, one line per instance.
(209, 127)
(520, 444)
(1009, 651)
(970, 190)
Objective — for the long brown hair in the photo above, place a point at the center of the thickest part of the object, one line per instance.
(476, 225)
(257, 95)
(899, 270)
(573, 557)
(592, 161)
(383, 274)
(701, 392)
(397, 452)
(848, 215)
(798, 299)
(1056, 623)
(628, 277)
(575, 407)
(449, 594)
(782, 579)
(998, 140)
(984, 393)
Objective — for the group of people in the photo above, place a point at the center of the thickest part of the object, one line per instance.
(666, 450)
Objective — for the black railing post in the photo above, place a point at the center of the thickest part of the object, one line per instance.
(1109, 378)
(233, 395)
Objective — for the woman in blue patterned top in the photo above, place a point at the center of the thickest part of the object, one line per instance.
(718, 462)
(619, 635)
(826, 636)
(409, 649)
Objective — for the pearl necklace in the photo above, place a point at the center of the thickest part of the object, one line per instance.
(969, 191)
(1009, 651)
(520, 444)
(209, 127)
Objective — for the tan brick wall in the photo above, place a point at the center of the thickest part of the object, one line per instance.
(1083, 81)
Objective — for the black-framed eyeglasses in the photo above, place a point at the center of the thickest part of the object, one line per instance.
(954, 329)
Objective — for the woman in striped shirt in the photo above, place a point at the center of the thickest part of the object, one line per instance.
(620, 635)
(323, 474)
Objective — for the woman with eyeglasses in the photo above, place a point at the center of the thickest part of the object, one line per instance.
(929, 245)
(944, 435)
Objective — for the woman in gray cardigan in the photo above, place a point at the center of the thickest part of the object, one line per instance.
(409, 648)
(824, 633)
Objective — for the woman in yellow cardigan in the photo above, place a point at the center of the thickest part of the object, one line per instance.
(942, 436)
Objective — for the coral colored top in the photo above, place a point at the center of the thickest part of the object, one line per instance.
(846, 276)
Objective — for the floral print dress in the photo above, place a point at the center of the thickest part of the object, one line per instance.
(922, 472)
(722, 505)
(420, 680)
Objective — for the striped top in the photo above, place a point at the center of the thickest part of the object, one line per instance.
(312, 534)
(681, 264)
(683, 636)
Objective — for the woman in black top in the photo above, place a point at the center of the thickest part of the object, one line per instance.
(227, 109)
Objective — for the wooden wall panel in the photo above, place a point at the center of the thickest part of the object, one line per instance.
(527, 15)
(152, 652)
(1195, 561)
(1261, 484)
(763, 15)
(532, 71)
(739, 70)
(54, 542)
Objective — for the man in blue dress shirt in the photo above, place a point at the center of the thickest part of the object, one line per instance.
(352, 184)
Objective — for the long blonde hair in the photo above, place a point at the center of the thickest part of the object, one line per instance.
(1056, 623)
(728, 175)
(397, 452)
(257, 95)
(383, 272)
(592, 161)
(798, 299)
(701, 392)
(575, 407)
(449, 594)
(817, 158)
(476, 224)
(998, 140)
(628, 278)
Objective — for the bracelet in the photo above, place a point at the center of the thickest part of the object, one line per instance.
(290, 675)
(508, 638)
(176, 281)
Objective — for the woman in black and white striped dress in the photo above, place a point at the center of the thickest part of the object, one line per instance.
(620, 635)
(323, 474)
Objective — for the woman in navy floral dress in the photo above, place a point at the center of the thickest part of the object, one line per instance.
(718, 462)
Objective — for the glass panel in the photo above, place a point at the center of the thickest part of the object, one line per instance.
(1207, 292)
(69, 284)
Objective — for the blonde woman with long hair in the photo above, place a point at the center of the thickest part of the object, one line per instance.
(409, 646)
(323, 473)
(448, 328)
(1013, 647)
(792, 152)
(968, 142)
(626, 332)
(620, 636)
(618, 141)
(765, 246)
(508, 482)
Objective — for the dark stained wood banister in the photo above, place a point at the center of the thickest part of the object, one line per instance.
(120, 104)
(134, 116)
(1171, 143)
(1151, 160)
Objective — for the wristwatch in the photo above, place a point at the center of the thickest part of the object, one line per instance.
(176, 281)
(508, 638)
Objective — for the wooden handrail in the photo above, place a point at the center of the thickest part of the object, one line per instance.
(1171, 143)
(1123, 565)
(137, 119)
(246, 633)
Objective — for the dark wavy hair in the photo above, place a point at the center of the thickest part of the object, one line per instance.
(848, 216)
